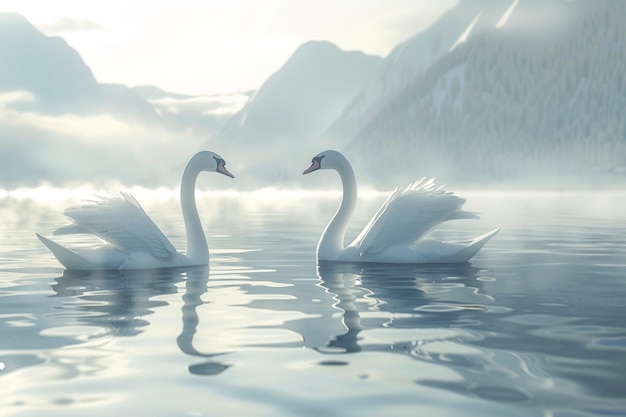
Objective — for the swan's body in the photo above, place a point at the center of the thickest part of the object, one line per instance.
(397, 232)
(132, 239)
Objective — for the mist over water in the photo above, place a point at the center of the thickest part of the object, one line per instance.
(530, 326)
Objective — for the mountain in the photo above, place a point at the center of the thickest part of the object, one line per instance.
(526, 98)
(306, 94)
(289, 112)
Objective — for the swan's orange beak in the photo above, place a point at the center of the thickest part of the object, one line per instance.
(314, 167)
(222, 170)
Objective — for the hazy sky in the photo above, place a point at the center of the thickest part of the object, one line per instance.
(197, 47)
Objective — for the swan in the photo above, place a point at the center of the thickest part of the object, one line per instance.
(397, 232)
(132, 239)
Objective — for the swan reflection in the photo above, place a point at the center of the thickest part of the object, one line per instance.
(119, 301)
(382, 296)
(196, 286)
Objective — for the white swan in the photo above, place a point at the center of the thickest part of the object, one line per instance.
(396, 233)
(133, 240)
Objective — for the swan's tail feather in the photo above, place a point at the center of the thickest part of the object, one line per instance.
(482, 239)
(474, 246)
(69, 258)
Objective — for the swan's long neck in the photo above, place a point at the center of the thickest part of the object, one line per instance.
(197, 248)
(332, 241)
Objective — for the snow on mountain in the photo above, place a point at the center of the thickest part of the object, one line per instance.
(507, 14)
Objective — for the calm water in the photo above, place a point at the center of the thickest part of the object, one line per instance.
(533, 326)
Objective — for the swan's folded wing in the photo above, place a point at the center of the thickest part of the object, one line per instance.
(122, 222)
(407, 215)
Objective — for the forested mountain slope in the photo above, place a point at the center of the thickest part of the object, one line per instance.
(504, 106)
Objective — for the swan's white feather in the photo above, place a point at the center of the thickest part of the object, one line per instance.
(407, 216)
(398, 232)
(131, 239)
(119, 220)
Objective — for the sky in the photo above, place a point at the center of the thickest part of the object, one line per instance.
(212, 47)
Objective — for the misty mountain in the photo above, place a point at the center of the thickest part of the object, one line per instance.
(524, 99)
(288, 113)
(61, 82)
(58, 78)
(47, 67)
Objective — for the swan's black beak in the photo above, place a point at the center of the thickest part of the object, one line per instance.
(315, 165)
(221, 168)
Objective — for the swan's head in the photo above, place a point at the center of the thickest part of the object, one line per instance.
(210, 161)
(325, 160)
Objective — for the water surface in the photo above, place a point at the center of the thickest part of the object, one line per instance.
(532, 326)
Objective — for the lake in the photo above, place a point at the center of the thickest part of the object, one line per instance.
(531, 326)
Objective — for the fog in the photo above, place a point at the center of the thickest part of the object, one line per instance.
(68, 149)
(471, 100)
